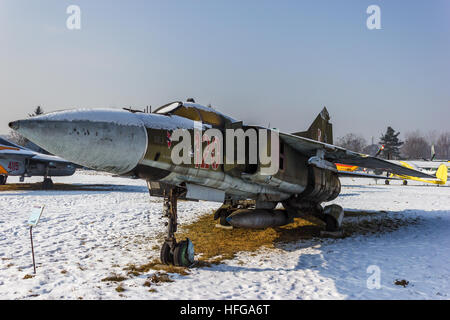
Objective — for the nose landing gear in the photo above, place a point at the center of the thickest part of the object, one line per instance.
(173, 252)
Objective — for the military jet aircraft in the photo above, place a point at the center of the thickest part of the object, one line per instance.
(148, 145)
(19, 161)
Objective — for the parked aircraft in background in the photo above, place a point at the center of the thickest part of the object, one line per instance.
(19, 161)
(439, 168)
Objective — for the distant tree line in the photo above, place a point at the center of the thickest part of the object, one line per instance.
(415, 146)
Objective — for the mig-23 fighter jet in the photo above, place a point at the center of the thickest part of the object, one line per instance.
(184, 149)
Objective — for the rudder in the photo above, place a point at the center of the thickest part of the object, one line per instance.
(320, 130)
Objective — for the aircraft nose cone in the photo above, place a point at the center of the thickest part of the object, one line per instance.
(14, 125)
(102, 139)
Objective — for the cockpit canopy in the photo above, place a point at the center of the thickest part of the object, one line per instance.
(195, 112)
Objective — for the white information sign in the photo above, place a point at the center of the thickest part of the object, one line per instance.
(35, 215)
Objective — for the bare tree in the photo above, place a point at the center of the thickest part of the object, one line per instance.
(352, 142)
(416, 146)
(442, 146)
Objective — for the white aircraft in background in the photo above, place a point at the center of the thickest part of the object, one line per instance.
(19, 161)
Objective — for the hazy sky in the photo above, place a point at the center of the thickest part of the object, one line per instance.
(260, 61)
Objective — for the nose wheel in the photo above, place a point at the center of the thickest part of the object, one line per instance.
(181, 254)
(172, 252)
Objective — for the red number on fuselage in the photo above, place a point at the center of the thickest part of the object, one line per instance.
(13, 166)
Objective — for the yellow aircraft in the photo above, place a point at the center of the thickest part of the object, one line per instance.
(441, 175)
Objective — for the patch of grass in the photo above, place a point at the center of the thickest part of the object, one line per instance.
(120, 288)
(154, 265)
(217, 244)
(380, 225)
(28, 276)
(63, 271)
(402, 283)
(147, 284)
(214, 245)
(160, 277)
(114, 278)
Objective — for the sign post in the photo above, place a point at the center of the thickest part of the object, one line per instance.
(32, 222)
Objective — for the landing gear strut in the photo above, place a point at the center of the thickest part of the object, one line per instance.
(47, 184)
(173, 252)
(333, 216)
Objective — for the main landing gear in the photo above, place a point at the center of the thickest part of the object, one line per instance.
(173, 252)
(3, 179)
(47, 184)
(332, 215)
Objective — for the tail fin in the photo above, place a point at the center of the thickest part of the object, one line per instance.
(320, 130)
(433, 153)
(442, 173)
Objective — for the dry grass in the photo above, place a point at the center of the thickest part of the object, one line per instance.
(155, 265)
(217, 244)
(147, 284)
(214, 245)
(402, 283)
(114, 278)
(120, 288)
(160, 277)
(28, 276)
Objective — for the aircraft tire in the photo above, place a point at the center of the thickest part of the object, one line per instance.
(331, 224)
(183, 255)
(3, 179)
(223, 221)
(386, 182)
(166, 256)
(47, 184)
(405, 182)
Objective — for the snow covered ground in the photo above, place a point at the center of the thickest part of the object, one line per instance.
(86, 236)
